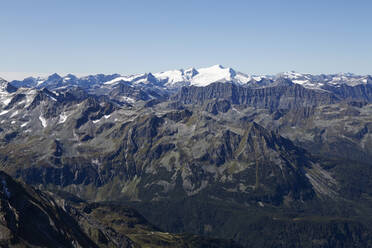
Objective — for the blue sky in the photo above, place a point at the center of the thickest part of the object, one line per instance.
(259, 37)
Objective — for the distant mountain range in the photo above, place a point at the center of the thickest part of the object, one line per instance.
(194, 77)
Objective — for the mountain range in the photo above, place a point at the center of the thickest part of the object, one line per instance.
(195, 77)
(268, 161)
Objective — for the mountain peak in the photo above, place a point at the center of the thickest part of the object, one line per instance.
(215, 73)
(201, 76)
(8, 87)
(150, 77)
(191, 72)
(54, 76)
(70, 76)
(2, 81)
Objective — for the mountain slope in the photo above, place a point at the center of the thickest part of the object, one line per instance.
(32, 218)
(179, 153)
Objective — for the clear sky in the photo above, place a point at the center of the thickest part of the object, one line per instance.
(259, 37)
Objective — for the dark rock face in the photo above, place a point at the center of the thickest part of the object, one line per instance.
(94, 110)
(27, 82)
(16, 99)
(43, 96)
(257, 227)
(177, 116)
(357, 93)
(216, 106)
(75, 94)
(10, 88)
(9, 136)
(32, 218)
(126, 90)
(61, 176)
(276, 97)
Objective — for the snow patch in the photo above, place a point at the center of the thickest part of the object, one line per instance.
(7, 100)
(63, 117)
(30, 97)
(43, 121)
(300, 81)
(14, 114)
(4, 112)
(122, 78)
(96, 161)
(128, 99)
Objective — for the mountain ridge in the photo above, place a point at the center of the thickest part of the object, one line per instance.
(199, 77)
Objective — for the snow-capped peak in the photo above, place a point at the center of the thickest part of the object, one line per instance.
(123, 78)
(144, 78)
(308, 80)
(212, 74)
(3, 85)
(197, 77)
(172, 77)
(191, 72)
(3, 81)
(201, 76)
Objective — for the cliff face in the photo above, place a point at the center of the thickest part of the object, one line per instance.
(278, 96)
(362, 92)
